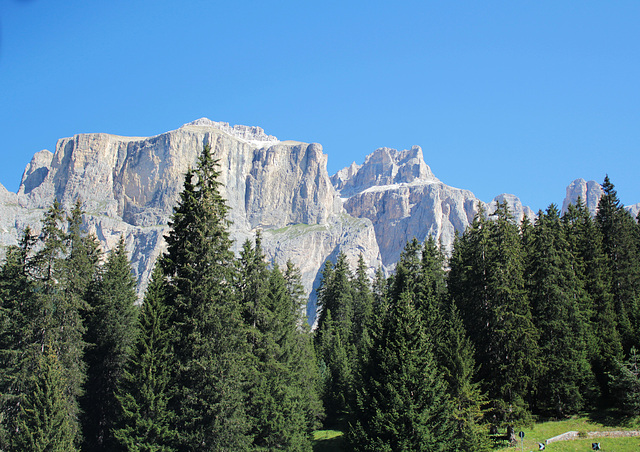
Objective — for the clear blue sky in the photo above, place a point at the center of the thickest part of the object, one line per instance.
(516, 96)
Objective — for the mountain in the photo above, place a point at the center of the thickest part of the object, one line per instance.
(129, 185)
(397, 191)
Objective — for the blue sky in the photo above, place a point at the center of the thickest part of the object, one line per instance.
(518, 97)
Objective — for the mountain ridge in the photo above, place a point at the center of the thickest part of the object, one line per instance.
(129, 185)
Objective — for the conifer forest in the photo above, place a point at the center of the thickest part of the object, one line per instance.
(517, 321)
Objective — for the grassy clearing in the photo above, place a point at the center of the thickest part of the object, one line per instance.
(333, 440)
(542, 431)
(328, 441)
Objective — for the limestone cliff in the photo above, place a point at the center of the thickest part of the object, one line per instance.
(129, 186)
(397, 191)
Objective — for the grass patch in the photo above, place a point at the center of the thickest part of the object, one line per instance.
(542, 431)
(328, 441)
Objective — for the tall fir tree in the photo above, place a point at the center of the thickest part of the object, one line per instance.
(625, 383)
(620, 243)
(111, 333)
(334, 337)
(208, 338)
(591, 264)
(558, 303)
(279, 402)
(44, 423)
(18, 309)
(402, 403)
(145, 419)
(486, 281)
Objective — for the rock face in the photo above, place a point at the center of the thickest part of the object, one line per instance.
(397, 191)
(589, 192)
(129, 186)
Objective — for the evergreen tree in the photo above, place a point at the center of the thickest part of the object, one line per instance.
(459, 371)
(18, 308)
(302, 355)
(625, 382)
(112, 333)
(207, 334)
(420, 273)
(334, 337)
(44, 423)
(620, 243)
(603, 339)
(61, 298)
(402, 404)
(486, 282)
(143, 393)
(557, 298)
(362, 305)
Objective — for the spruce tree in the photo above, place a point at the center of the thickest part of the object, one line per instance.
(620, 243)
(111, 333)
(625, 382)
(44, 423)
(334, 337)
(558, 300)
(207, 334)
(487, 283)
(603, 338)
(145, 420)
(18, 309)
(459, 371)
(402, 402)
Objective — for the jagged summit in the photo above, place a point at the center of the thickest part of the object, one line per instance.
(383, 168)
(129, 186)
(247, 133)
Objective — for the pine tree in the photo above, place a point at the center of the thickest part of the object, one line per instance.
(625, 382)
(61, 298)
(402, 404)
(459, 371)
(557, 298)
(603, 338)
(143, 393)
(362, 305)
(112, 333)
(335, 347)
(486, 282)
(208, 338)
(18, 308)
(279, 401)
(620, 243)
(44, 423)
(302, 354)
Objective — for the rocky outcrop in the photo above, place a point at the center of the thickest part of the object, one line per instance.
(589, 192)
(129, 185)
(397, 191)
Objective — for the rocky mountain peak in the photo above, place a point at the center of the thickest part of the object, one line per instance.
(252, 134)
(384, 167)
(590, 193)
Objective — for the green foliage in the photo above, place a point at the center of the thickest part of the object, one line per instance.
(487, 284)
(402, 403)
(335, 336)
(207, 334)
(558, 299)
(281, 392)
(44, 423)
(621, 244)
(111, 333)
(145, 421)
(625, 382)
